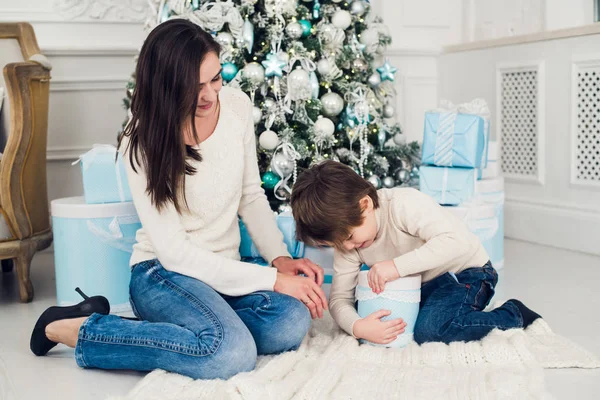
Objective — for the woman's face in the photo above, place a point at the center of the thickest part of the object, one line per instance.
(210, 85)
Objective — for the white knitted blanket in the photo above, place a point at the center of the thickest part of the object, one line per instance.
(332, 365)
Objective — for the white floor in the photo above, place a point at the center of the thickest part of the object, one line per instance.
(560, 285)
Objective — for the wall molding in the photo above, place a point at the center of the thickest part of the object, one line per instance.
(88, 84)
(553, 224)
(414, 52)
(69, 11)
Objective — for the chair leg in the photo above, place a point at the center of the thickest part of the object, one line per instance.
(23, 264)
(7, 265)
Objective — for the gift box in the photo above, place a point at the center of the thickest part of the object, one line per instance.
(448, 186)
(454, 140)
(402, 297)
(493, 165)
(484, 216)
(287, 226)
(104, 176)
(92, 248)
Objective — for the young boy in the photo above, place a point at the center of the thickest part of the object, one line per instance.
(400, 232)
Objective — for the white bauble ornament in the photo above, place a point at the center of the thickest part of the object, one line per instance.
(299, 84)
(282, 165)
(332, 103)
(324, 66)
(369, 36)
(283, 56)
(388, 111)
(341, 19)
(268, 140)
(256, 115)
(374, 79)
(324, 126)
(358, 7)
(294, 30)
(399, 139)
(254, 72)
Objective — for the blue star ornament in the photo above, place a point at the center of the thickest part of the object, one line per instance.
(273, 65)
(386, 71)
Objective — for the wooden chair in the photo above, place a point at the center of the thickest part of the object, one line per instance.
(24, 215)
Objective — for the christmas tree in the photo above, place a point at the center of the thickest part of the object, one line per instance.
(316, 74)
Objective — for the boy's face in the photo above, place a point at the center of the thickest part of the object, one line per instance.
(364, 235)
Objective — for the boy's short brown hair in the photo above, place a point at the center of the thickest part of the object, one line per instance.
(326, 203)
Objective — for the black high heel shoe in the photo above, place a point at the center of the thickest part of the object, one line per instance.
(40, 344)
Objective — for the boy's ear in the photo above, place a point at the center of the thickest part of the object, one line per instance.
(366, 203)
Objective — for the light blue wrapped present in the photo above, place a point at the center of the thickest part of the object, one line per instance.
(449, 186)
(92, 248)
(457, 135)
(287, 226)
(402, 297)
(104, 180)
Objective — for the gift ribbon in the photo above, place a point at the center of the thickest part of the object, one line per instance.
(444, 186)
(444, 140)
(88, 158)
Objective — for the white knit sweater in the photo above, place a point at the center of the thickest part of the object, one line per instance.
(203, 242)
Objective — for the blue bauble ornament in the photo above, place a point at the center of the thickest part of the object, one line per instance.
(270, 179)
(229, 71)
(306, 27)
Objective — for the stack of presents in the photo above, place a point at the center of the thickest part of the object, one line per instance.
(94, 233)
(461, 171)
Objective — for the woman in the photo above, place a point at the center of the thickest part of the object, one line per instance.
(191, 163)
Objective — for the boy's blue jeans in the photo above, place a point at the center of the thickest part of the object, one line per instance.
(189, 328)
(452, 307)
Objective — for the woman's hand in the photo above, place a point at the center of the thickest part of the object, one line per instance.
(381, 273)
(373, 329)
(289, 266)
(304, 289)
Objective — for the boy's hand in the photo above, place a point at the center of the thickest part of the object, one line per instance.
(289, 266)
(303, 289)
(373, 329)
(381, 273)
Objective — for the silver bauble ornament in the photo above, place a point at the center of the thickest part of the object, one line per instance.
(256, 115)
(399, 139)
(388, 111)
(403, 175)
(324, 66)
(358, 7)
(282, 165)
(341, 19)
(359, 65)
(225, 39)
(299, 86)
(374, 80)
(254, 72)
(332, 103)
(375, 181)
(294, 30)
(268, 140)
(388, 182)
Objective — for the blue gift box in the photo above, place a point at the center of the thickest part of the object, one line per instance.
(451, 139)
(449, 186)
(287, 226)
(104, 180)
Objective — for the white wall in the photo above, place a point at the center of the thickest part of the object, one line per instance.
(419, 29)
(551, 207)
(91, 45)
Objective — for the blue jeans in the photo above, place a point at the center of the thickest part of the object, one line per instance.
(189, 328)
(452, 307)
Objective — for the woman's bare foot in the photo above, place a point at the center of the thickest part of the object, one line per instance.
(65, 331)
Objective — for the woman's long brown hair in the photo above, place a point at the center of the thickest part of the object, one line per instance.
(163, 104)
